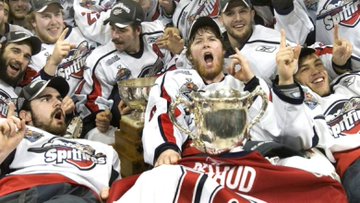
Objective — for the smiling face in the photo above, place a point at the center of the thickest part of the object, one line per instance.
(207, 55)
(238, 22)
(313, 74)
(49, 25)
(14, 60)
(19, 8)
(46, 112)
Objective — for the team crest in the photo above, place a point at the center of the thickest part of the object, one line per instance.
(209, 8)
(343, 117)
(345, 13)
(64, 151)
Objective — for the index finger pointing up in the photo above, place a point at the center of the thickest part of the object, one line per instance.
(283, 39)
(63, 34)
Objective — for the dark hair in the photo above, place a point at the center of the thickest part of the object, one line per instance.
(205, 28)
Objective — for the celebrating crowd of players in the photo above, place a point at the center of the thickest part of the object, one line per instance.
(62, 60)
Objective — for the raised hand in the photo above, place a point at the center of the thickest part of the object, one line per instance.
(168, 6)
(342, 49)
(61, 51)
(103, 120)
(12, 131)
(239, 67)
(171, 40)
(67, 105)
(287, 61)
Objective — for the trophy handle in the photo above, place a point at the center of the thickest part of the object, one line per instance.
(171, 113)
(258, 92)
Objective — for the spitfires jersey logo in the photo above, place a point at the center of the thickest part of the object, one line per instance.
(61, 151)
(75, 64)
(343, 12)
(187, 88)
(343, 117)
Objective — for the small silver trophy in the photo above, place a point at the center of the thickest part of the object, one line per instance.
(221, 117)
(135, 93)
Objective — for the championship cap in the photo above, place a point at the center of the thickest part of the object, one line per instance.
(40, 5)
(233, 3)
(19, 36)
(203, 21)
(126, 12)
(32, 90)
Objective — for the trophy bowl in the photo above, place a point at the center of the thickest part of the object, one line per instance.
(221, 117)
(135, 93)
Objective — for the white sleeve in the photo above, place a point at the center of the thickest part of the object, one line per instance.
(91, 23)
(297, 24)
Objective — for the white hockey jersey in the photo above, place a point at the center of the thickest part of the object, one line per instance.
(159, 133)
(88, 163)
(7, 94)
(340, 111)
(72, 67)
(325, 14)
(188, 10)
(106, 66)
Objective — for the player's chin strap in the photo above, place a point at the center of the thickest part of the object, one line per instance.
(272, 149)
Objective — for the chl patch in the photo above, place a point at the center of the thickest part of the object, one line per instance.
(310, 100)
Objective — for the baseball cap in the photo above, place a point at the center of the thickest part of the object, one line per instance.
(19, 36)
(32, 90)
(126, 12)
(40, 5)
(225, 4)
(203, 21)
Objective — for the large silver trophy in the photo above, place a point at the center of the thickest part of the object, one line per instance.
(135, 93)
(221, 117)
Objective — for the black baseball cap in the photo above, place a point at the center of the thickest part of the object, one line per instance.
(19, 36)
(126, 12)
(32, 90)
(204, 21)
(229, 3)
(40, 5)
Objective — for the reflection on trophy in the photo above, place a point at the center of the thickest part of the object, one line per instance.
(221, 117)
(135, 93)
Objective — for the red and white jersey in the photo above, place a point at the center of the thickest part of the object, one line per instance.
(188, 10)
(85, 162)
(237, 177)
(7, 94)
(159, 132)
(90, 16)
(326, 13)
(341, 115)
(106, 66)
(72, 67)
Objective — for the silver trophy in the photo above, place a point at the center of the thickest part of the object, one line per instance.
(135, 93)
(221, 117)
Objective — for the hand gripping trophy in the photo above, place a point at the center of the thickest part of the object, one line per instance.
(221, 117)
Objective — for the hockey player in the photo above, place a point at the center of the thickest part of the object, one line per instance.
(45, 166)
(64, 49)
(15, 55)
(185, 174)
(131, 54)
(337, 105)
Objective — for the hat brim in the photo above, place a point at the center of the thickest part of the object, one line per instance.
(35, 43)
(203, 22)
(60, 85)
(45, 7)
(244, 2)
(117, 24)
